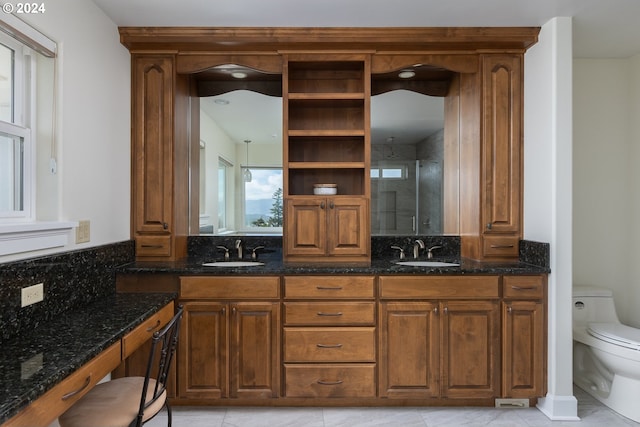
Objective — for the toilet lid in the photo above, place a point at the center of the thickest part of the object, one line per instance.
(616, 333)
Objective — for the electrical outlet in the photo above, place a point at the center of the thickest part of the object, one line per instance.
(83, 234)
(32, 294)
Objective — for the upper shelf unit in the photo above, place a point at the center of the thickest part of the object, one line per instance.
(327, 124)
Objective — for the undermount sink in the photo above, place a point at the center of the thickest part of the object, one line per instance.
(233, 264)
(427, 264)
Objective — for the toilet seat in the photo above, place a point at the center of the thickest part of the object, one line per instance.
(616, 333)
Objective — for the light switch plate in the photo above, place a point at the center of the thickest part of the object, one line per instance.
(83, 232)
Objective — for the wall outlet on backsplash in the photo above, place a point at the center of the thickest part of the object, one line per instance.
(32, 294)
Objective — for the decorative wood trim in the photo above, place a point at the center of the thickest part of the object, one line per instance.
(467, 39)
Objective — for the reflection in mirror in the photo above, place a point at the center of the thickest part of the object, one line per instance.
(228, 203)
(407, 158)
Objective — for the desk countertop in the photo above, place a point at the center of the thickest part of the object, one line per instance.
(31, 364)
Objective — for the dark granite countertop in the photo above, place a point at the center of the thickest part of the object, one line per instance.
(275, 266)
(33, 363)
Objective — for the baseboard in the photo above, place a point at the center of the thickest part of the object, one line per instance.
(559, 408)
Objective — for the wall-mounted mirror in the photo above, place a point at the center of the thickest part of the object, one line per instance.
(407, 155)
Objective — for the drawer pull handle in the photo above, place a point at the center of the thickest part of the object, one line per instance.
(329, 288)
(328, 345)
(151, 246)
(73, 393)
(523, 288)
(151, 328)
(501, 246)
(320, 313)
(323, 382)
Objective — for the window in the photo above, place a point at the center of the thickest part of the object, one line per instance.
(389, 172)
(16, 150)
(21, 48)
(263, 200)
(224, 169)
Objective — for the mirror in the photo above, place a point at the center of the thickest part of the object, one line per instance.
(407, 153)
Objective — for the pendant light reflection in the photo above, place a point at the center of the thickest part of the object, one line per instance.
(247, 173)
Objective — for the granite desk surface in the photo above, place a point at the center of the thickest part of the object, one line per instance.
(275, 266)
(31, 364)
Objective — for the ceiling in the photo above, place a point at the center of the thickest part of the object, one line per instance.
(601, 29)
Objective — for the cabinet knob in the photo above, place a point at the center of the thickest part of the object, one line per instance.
(435, 310)
(331, 205)
(165, 225)
(509, 309)
(445, 310)
(321, 205)
(233, 310)
(489, 226)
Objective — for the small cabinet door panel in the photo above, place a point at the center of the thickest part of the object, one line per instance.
(409, 350)
(202, 361)
(349, 226)
(306, 226)
(471, 347)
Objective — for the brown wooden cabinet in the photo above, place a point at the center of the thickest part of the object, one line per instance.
(501, 163)
(152, 146)
(229, 349)
(523, 332)
(435, 347)
(329, 346)
(327, 138)
(332, 226)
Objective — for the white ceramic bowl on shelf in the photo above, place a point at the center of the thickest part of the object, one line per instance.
(325, 189)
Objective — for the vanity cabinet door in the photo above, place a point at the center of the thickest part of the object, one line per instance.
(409, 350)
(152, 149)
(501, 155)
(254, 349)
(523, 349)
(470, 349)
(202, 351)
(229, 350)
(325, 229)
(306, 229)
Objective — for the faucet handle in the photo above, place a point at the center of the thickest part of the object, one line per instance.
(429, 253)
(400, 249)
(226, 252)
(254, 252)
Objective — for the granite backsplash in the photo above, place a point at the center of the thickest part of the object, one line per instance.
(70, 279)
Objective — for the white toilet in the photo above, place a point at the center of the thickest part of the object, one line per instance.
(606, 353)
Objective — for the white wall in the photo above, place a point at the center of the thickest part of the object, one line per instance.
(605, 191)
(547, 196)
(631, 312)
(93, 149)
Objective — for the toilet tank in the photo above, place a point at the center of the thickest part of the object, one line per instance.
(593, 304)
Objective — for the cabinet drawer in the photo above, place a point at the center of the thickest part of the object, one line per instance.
(328, 287)
(329, 313)
(432, 287)
(153, 245)
(523, 287)
(329, 344)
(145, 330)
(61, 397)
(501, 245)
(330, 380)
(229, 287)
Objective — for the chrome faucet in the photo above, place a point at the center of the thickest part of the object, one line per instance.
(238, 246)
(429, 253)
(226, 252)
(419, 244)
(254, 252)
(400, 249)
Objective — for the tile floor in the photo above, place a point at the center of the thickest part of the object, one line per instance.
(591, 412)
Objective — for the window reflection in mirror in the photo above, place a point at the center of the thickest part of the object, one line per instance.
(229, 204)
